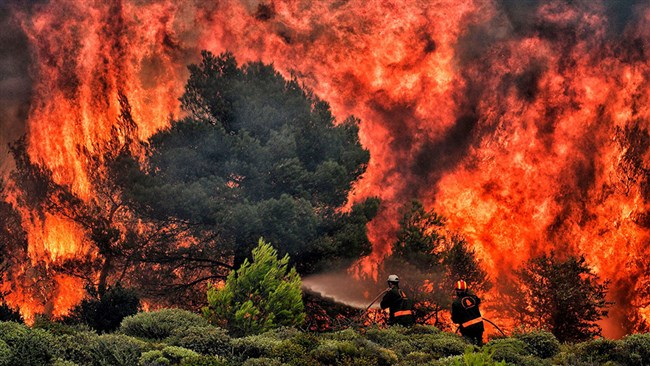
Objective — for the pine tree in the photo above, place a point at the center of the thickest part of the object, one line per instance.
(259, 296)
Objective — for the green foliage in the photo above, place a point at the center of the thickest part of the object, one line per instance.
(117, 350)
(176, 354)
(60, 362)
(471, 358)
(333, 352)
(256, 156)
(561, 295)
(540, 343)
(160, 324)
(77, 346)
(5, 353)
(637, 347)
(104, 312)
(511, 350)
(207, 340)
(259, 296)
(204, 361)
(11, 332)
(33, 347)
(153, 358)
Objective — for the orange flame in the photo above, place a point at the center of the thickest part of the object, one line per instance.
(528, 134)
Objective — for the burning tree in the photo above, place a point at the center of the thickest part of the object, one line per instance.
(562, 295)
(256, 156)
(430, 259)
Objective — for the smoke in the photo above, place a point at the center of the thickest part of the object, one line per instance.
(15, 83)
(343, 288)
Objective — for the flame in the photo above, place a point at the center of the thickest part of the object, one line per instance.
(523, 124)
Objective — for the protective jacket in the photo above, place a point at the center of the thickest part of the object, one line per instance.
(465, 312)
(399, 306)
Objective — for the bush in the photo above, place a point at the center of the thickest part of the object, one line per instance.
(78, 347)
(511, 350)
(176, 354)
(600, 351)
(204, 361)
(10, 332)
(261, 295)
(638, 349)
(205, 340)
(153, 358)
(117, 350)
(262, 361)
(540, 343)
(254, 346)
(160, 324)
(105, 312)
(34, 347)
(60, 362)
(438, 344)
(5, 353)
(332, 352)
(388, 337)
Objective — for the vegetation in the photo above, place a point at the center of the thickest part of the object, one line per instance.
(259, 296)
(430, 260)
(419, 345)
(562, 295)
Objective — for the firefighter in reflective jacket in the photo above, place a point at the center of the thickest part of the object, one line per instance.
(400, 307)
(465, 312)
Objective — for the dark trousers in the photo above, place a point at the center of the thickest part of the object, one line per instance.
(473, 333)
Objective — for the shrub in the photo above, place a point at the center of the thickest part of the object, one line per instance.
(259, 296)
(105, 312)
(416, 358)
(204, 361)
(60, 362)
(262, 361)
(540, 343)
(10, 332)
(254, 346)
(78, 347)
(638, 348)
(34, 347)
(332, 352)
(205, 340)
(600, 351)
(511, 350)
(176, 354)
(438, 345)
(388, 337)
(117, 350)
(5, 353)
(153, 358)
(160, 324)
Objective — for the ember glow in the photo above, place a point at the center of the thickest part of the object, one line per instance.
(525, 125)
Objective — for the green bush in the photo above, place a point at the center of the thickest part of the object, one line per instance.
(388, 337)
(601, 351)
(105, 312)
(333, 352)
(204, 361)
(153, 358)
(511, 350)
(176, 354)
(437, 344)
(205, 340)
(60, 362)
(160, 324)
(261, 295)
(638, 349)
(416, 358)
(117, 350)
(262, 361)
(78, 347)
(540, 343)
(11, 331)
(255, 346)
(5, 353)
(34, 347)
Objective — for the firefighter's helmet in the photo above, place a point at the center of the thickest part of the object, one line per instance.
(393, 279)
(461, 286)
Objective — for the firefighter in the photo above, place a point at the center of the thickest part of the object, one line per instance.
(400, 307)
(465, 312)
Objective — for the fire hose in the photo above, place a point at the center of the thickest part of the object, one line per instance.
(489, 321)
(365, 311)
